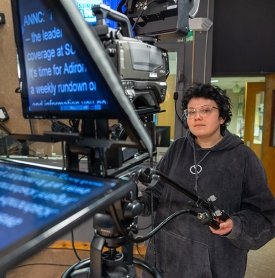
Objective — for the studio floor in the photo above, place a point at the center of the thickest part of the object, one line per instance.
(57, 258)
(53, 261)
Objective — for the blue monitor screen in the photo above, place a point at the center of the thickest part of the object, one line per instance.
(33, 200)
(59, 79)
(85, 7)
(64, 70)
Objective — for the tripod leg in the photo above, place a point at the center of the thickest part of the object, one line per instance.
(95, 255)
(127, 250)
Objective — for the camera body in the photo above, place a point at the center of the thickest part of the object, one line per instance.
(142, 67)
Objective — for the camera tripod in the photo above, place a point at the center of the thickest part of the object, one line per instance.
(113, 229)
(105, 259)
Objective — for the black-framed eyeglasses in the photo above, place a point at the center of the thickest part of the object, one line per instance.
(203, 111)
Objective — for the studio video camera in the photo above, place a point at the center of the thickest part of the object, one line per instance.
(143, 68)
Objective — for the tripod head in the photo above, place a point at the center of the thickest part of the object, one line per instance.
(111, 261)
(111, 252)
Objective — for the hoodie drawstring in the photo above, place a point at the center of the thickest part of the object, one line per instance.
(197, 168)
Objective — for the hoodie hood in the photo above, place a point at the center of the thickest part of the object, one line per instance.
(231, 173)
(229, 141)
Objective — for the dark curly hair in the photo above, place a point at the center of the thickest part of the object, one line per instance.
(212, 92)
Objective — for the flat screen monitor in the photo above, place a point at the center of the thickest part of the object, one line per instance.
(163, 136)
(38, 205)
(243, 38)
(64, 70)
(85, 8)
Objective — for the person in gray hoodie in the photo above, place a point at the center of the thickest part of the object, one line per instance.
(209, 161)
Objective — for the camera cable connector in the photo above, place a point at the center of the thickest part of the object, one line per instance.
(211, 215)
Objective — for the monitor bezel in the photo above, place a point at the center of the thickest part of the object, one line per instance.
(34, 241)
(124, 111)
(57, 114)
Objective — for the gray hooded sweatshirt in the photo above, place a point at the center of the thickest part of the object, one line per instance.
(235, 176)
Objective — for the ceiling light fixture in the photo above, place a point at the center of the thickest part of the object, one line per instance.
(214, 81)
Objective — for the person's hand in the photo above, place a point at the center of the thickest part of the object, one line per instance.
(225, 227)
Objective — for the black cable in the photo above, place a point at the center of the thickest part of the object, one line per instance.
(152, 270)
(31, 126)
(161, 225)
(120, 227)
(153, 221)
(176, 96)
(140, 15)
(74, 124)
(74, 249)
(133, 27)
(140, 239)
(66, 248)
(137, 248)
(3, 126)
(37, 264)
(82, 156)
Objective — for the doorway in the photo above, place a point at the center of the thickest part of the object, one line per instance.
(254, 112)
(246, 120)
